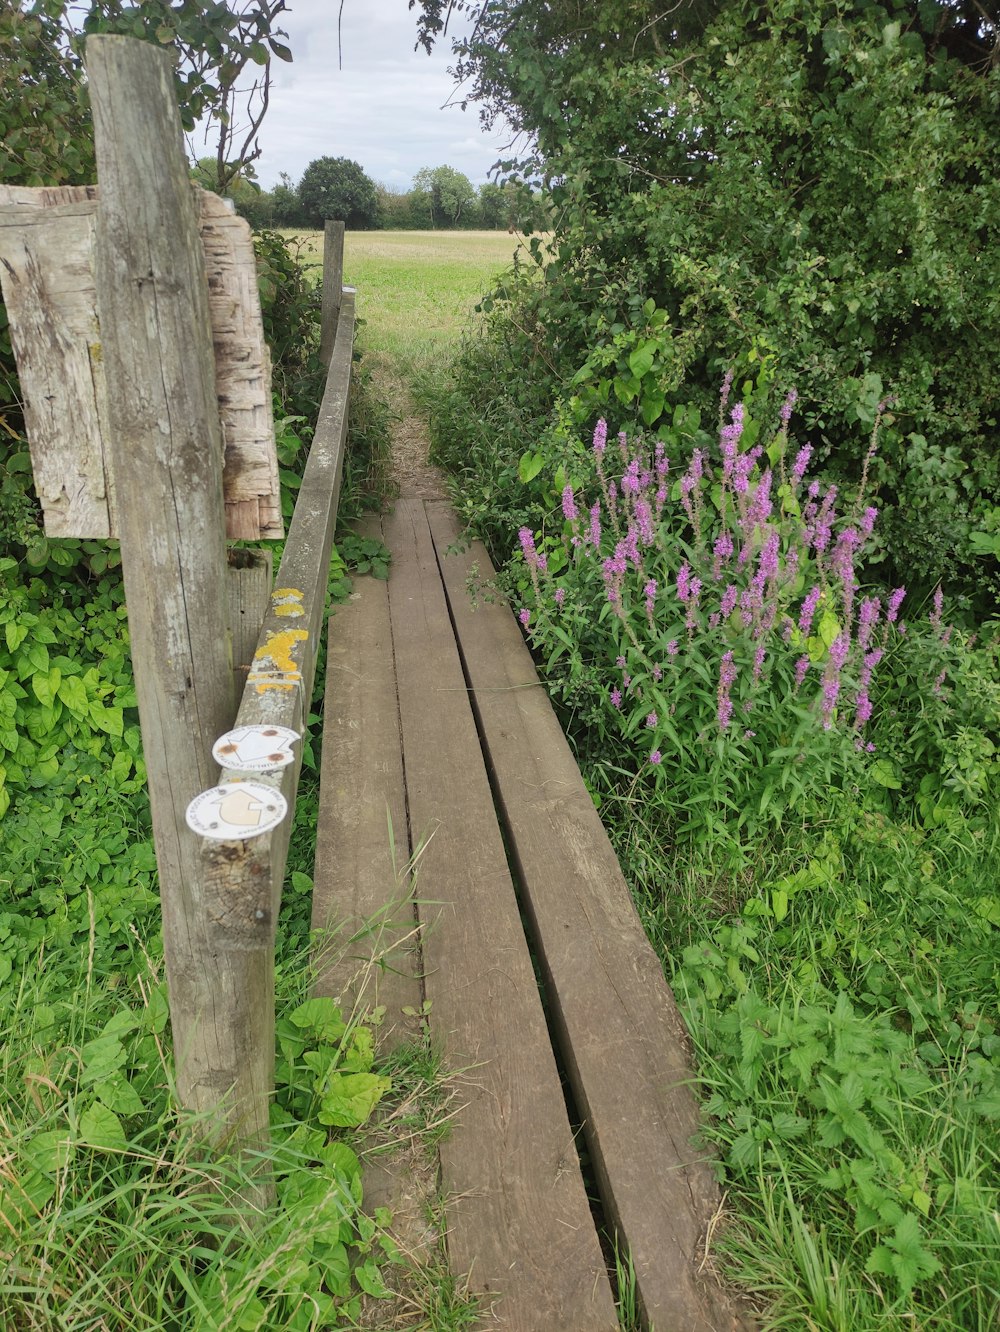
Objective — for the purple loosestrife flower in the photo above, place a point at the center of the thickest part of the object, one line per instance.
(760, 504)
(600, 437)
(657, 673)
(935, 615)
(862, 709)
(867, 523)
(742, 468)
(651, 721)
(758, 661)
(569, 505)
(808, 610)
(672, 648)
(623, 445)
(616, 698)
(620, 663)
(649, 592)
(729, 441)
(645, 520)
(662, 462)
(560, 595)
(656, 757)
(868, 614)
(936, 686)
(839, 650)
(727, 678)
(630, 480)
(801, 667)
(727, 385)
(683, 582)
(786, 410)
(595, 526)
(801, 463)
(831, 689)
(842, 558)
(768, 567)
(527, 540)
(824, 521)
(721, 551)
(728, 603)
(895, 601)
(524, 615)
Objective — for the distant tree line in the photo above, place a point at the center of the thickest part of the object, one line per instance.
(338, 189)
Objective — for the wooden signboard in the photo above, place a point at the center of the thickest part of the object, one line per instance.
(47, 276)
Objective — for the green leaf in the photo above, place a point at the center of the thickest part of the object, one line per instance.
(45, 687)
(101, 1128)
(883, 773)
(529, 466)
(120, 1096)
(50, 1151)
(73, 693)
(640, 361)
(320, 1016)
(369, 1278)
(350, 1098)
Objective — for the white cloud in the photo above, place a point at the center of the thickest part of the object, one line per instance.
(383, 108)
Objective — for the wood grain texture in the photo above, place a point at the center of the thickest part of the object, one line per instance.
(249, 578)
(47, 272)
(167, 460)
(369, 954)
(621, 1035)
(518, 1218)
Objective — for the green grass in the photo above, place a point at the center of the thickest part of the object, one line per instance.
(416, 289)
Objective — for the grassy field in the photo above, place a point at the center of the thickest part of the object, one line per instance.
(416, 289)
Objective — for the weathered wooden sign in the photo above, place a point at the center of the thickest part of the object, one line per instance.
(48, 280)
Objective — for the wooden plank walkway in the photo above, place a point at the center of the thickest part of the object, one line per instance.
(434, 708)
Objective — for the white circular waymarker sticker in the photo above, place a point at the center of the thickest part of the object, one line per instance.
(255, 748)
(236, 811)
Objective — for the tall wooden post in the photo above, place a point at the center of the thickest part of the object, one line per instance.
(333, 281)
(167, 457)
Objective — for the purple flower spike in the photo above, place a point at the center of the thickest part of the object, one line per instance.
(569, 505)
(800, 464)
(656, 757)
(560, 595)
(651, 721)
(616, 698)
(895, 601)
(595, 526)
(801, 667)
(524, 615)
(600, 437)
(786, 410)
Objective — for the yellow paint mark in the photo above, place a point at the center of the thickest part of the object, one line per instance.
(287, 601)
(274, 666)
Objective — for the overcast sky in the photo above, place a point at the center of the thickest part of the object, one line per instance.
(382, 109)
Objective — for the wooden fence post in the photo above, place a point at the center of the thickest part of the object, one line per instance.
(333, 281)
(167, 455)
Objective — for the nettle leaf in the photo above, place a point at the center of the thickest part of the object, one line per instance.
(903, 1256)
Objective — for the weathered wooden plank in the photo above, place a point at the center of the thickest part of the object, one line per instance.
(167, 459)
(47, 273)
(518, 1219)
(622, 1038)
(242, 880)
(362, 890)
(48, 284)
(249, 579)
(333, 281)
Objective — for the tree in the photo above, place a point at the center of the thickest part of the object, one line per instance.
(451, 194)
(337, 189)
(815, 185)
